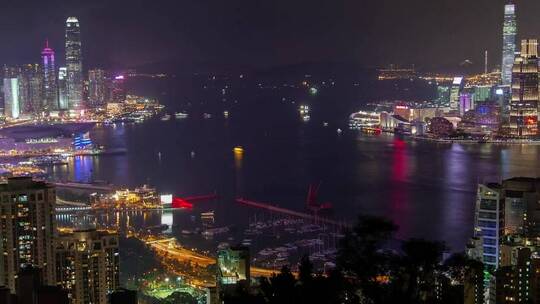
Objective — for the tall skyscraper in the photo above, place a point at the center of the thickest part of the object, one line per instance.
(509, 43)
(525, 95)
(118, 89)
(34, 75)
(455, 91)
(74, 63)
(49, 78)
(87, 264)
(97, 88)
(63, 102)
(27, 229)
(12, 103)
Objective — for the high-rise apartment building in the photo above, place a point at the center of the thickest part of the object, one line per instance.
(97, 88)
(87, 264)
(63, 102)
(50, 99)
(525, 95)
(509, 43)
(27, 229)
(74, 63)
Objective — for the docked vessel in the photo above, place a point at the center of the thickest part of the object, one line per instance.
(181, 115)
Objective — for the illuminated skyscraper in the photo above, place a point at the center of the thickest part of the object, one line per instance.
(97, 88)
(50, 99)
(62, 89)
(509, 43)
(455, 91)
(12, 103)
(74, 63)
(27, 229)
(33, 74)
(525, 96)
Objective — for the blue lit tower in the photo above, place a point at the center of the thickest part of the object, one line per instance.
(74, 63)
(509, 43)
(49, 78)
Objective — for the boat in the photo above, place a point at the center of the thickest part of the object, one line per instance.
(181, 115)
(207, 115)
(166, 117)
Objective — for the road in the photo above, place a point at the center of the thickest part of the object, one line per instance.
(172, 249)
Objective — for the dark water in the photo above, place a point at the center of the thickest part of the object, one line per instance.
(427, 189)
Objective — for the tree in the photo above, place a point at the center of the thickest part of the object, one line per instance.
(361, 255)
(420, 261)
(280, 288)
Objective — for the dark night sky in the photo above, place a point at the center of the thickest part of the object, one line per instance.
(430, 33)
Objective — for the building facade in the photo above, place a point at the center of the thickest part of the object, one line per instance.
(27, 229)
(63, 102)
(97, 88)
(87, 264)
(50, 99)
(74, 63)
(525, 96)
(509, 43)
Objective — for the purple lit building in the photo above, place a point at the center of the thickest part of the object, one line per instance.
(49, 79)
(466, 103)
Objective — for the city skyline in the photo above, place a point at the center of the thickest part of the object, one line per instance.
(341, 31)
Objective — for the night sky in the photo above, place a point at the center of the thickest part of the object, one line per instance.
(430, 33)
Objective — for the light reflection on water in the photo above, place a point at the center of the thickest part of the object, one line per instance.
(428, 189)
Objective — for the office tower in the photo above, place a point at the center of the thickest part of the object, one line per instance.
(525, 97)
(529, 48)
(455, 91)
(233, 270)
(74, 63)
(30, 289)
(489, 221)
(118, 90)
(509, 43)
(63, 102)
(87, 264)
(482, 93)
(23, 80)
(30, 88)
(97, 88)
(488, 229)
(443, 96)
(27, 229)
(50, 99)
(34, 76)
(11, 97)
(466, 103)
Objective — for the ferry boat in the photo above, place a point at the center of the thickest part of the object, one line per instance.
(181, 115)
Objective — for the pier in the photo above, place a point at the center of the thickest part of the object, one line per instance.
(299, 214)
